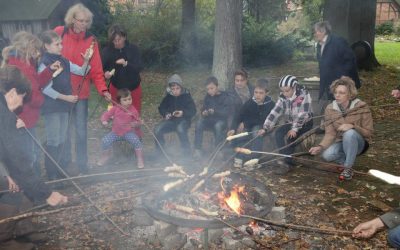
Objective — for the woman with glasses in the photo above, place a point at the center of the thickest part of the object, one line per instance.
(76, 40)
(348, 127)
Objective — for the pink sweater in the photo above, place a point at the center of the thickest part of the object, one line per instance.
(122, 119)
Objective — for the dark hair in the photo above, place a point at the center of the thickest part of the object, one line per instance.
(122, 93)
(241, 72)
(11, 77)
(211, 79)
(48, 37)
(115, 30)
(262, 83)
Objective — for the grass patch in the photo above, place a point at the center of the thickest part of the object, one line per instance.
(388, 53)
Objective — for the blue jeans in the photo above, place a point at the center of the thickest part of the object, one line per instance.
(217, 126)
(79, 118)
(32, 150)
(345, 151)
(56, 126)
(181, 126)
(394, 237)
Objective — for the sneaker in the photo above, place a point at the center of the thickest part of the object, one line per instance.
(346, 174)
(237, 162)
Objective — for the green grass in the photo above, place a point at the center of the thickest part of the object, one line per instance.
(388, 53)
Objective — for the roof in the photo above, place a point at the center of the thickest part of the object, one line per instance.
(26, 10)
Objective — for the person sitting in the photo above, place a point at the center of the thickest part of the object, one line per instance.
(251, 118)
(125, 119)
(214, 115)
(348, 127)
(295, 103)
(14, 89)
(177, 109)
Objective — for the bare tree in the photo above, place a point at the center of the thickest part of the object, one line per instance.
(187, 46)
(227, 40)
(355, 21)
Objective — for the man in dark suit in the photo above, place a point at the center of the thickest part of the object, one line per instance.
(335, 58)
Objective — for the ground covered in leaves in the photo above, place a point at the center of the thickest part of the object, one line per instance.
(311, 197)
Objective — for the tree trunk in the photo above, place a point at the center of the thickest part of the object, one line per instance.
(355, 21)
(187, 46)
(227, 40)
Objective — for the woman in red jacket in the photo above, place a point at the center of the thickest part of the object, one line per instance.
(23, 53)
(76, 40)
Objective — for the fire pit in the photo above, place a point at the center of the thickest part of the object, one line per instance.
(224, 198)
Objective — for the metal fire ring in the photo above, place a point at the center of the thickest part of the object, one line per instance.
(264, 191)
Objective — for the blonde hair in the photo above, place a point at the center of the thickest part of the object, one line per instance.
(24, 45)
(73, 11)
(347, 82)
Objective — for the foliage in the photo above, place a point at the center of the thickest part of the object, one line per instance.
(385, 28)
(265, 10)
(313, 9)
(388, 53)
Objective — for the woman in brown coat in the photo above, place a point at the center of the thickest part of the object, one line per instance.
(348, 127)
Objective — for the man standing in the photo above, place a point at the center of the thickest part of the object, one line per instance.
(335, 58)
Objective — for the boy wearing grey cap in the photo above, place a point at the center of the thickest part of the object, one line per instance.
(177, 109)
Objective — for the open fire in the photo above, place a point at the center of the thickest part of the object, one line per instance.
(233, 198)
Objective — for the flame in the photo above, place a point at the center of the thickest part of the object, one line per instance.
(233, 200)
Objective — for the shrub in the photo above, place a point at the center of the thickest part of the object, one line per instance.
(385, 28)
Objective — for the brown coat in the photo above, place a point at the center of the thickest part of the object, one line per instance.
(358, 114)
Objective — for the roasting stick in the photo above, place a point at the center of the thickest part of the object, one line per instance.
(248, 151)
(389, 178)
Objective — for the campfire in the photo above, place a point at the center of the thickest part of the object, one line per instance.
(224, 198)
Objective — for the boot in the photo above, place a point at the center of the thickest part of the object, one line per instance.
(105, 157)
(139, 158)
(51, 168)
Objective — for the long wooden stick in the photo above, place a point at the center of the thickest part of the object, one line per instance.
(300, 227)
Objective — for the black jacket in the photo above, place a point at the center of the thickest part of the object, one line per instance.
(252, 114)
(337, 60)
(124, 77)
(221, 104)
(183, 102)
(14, 157)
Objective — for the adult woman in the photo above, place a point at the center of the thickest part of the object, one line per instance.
(76, 40)
(23, 53)
(348, 127)
(13, 90)
(124, 58)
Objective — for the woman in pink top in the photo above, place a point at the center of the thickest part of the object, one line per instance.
(125, 119)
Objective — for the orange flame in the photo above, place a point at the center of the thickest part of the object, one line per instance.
(233, 200)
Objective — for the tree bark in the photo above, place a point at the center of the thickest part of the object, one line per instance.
(187, 46)
(355, 21)
(227, 40)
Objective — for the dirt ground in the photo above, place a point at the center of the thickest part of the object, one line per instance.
(311, 197)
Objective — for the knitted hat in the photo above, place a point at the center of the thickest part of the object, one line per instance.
(175, 78)
(288, 81)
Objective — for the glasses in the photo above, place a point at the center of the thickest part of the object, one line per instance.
(82, 20)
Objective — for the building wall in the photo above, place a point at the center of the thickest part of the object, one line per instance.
(34, 27)
(386, 11)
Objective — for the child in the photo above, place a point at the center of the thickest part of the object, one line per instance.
(23, 53)
(214, 115)
(177, 108)
(251, 118)
(125, 119)
(294, 102)
(58, 100)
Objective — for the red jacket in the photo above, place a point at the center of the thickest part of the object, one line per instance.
(122, 119)
(73, 46)
(31, 110)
